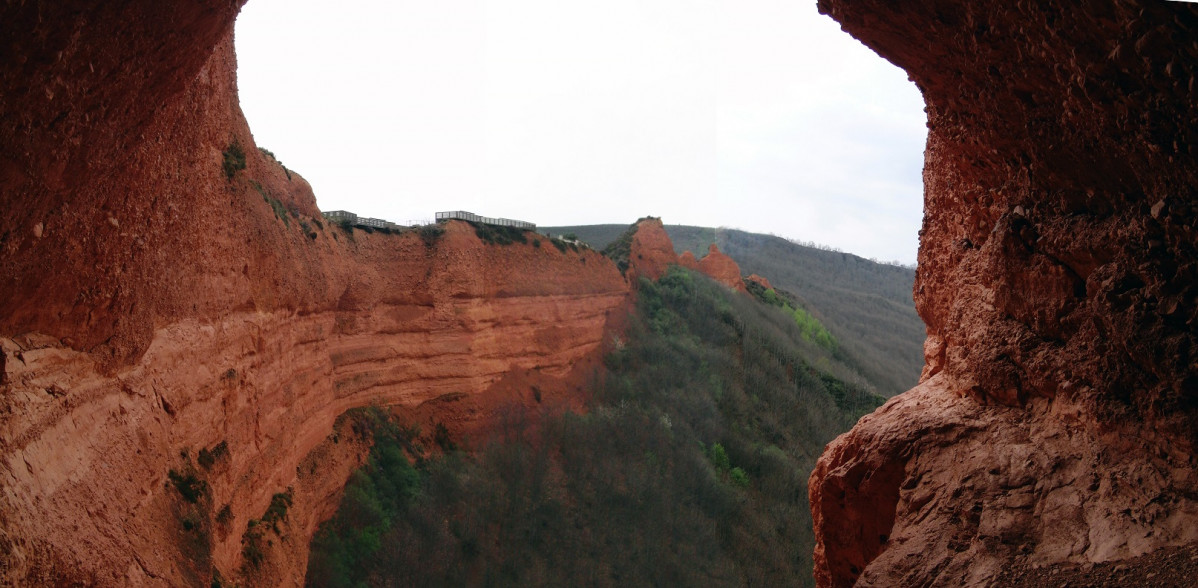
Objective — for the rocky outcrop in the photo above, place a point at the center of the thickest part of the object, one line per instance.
(688, 261)
(761, 281)
(87, 453)
(652, 251)
(716, 266)
(722, 269)
(1057, 275)
(166, 288)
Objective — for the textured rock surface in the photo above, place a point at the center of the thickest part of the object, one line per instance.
(722, 269)
(1058, 278)
(652, 251)
(718, 267)
(151, 306)
(687, 260)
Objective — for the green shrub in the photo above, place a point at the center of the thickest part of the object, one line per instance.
(430, 233)
(620, 250)
(739, 477)
(719, 458)
(442, 439)
(188, 485)
(208, 457)
(233, 160)
(277, 511)
(252, 551)
(225, 514)
(191, 521)
(499, 235)
(252, 554)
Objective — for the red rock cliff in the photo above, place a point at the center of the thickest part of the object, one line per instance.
(154, 303)
(652, 251)
(1056, 418)
(722, 269)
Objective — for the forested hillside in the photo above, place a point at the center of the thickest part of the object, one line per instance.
(688, 468)
(866, 305)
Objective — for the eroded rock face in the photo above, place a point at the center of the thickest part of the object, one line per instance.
(688, 261)
(652, 251)
(722, 269)
(1058, 278)
(718, 267)
(155, 301)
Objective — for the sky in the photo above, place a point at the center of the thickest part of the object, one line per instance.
(760, 115)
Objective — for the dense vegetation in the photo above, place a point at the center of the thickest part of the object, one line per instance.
(499, 235)
(809, 326)
(865, 305)
(688, 469)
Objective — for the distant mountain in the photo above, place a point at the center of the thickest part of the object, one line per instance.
(866, 305)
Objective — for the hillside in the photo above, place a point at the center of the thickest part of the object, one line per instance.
(688, 468)
(866, 305)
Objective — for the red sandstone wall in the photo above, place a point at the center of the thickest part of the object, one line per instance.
(151, 307)
(722, 269)
(1057, 276)
(651, 252)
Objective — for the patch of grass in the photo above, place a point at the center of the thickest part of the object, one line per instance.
(430, 233)
(233, 159)
(499, 235)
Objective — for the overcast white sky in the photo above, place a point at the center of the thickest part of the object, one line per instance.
(754, 114)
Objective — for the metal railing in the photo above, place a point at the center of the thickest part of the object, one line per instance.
(474, 218)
